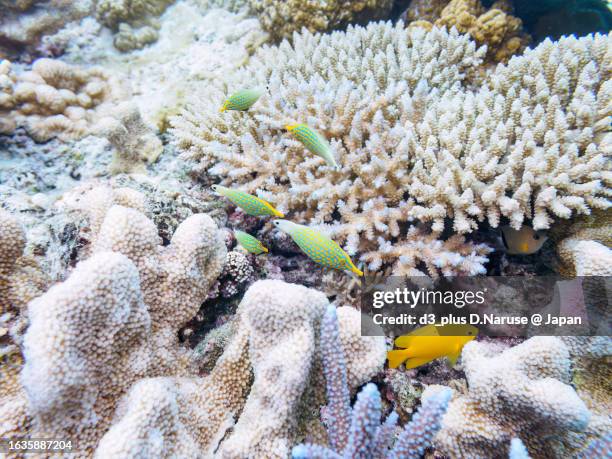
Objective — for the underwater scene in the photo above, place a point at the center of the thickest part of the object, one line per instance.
(252, 229)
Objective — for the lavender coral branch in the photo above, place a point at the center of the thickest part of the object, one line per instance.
(334, 369)
(417, 435)
(366, 437)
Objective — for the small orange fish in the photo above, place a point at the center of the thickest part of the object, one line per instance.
(524, 241)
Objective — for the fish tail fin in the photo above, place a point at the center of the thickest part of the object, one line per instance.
(264, 249)
(356, 270)
(290, 127)
(279, 214)
(222, 109)
(396, 358)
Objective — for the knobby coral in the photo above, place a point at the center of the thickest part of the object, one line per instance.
(521, 392)
(258, 388)
(114, 321)
(357, 432)
(494, 27)
(416, 142)
(54, 99)
(281, 18)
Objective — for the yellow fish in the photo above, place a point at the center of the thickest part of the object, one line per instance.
(242, 100)
(317, 246)
(251, 205)
(429, 343)
(524, 241)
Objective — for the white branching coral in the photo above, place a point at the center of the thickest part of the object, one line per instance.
(54, 99)
(366, 90)
(521, 392)
(414, 139)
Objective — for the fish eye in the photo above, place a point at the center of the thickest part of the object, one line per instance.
(536, 236)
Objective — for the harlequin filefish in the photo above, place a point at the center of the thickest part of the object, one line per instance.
(249, 242)
(251, 205)
(242, 100)
(317, 246)
(524, 241)
(429, 343)
(314, 142)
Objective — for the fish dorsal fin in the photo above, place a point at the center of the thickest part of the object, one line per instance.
(417, 362)
(428, 330)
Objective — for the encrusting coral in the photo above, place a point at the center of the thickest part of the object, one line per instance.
(134, 142)
(54, 99)
(135, 20)
(21, 280)
(415, 141)
(519, 392)
(120, 310)
(24, 22)
(281, 18)
(584, 247)
(494, 27)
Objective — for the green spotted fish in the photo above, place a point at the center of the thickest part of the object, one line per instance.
(318, 247)
(249, 242)
(242, 100)
(251, 205)
(314, 142)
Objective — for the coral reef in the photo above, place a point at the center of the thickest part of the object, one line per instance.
(21, 279)
(157, 289)
(24, 22)
(134, 21)
(134, 143)
(584, 246)
(494, 27)
(54, 99)
(414, 140)
(282, 18)
(519, 392)
(358, 432)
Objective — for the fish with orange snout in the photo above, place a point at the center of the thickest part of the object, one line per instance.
(524, 241)
(429, 343)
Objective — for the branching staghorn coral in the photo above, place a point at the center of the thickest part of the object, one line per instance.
(54, 99)
(281, 18)
(358, 432)
(415, 142)
(521, 392)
